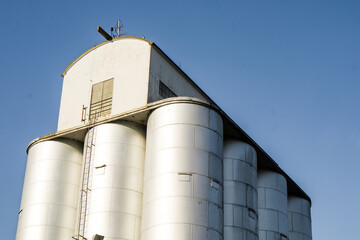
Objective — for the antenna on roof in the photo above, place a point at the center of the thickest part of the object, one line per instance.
(117, 31)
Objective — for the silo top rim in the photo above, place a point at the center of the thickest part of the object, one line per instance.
(99, 45)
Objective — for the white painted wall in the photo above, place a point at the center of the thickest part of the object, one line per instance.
(127, 60)
(136, 66)
(162, 69)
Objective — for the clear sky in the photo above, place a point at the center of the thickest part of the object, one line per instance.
(287, 71)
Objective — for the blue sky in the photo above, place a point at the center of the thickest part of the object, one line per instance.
(287, 71)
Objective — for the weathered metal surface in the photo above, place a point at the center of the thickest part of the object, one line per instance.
(240, 191)
(299, 218)
(272, 206)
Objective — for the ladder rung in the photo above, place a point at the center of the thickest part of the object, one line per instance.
(87, 173)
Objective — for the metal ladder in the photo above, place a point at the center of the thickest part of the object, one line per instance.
(86, 184)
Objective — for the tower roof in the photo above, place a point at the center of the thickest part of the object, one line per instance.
(101, 44)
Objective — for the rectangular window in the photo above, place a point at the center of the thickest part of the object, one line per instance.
(164, 91)
(101, 99)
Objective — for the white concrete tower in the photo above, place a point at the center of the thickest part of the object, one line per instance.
(138, 154)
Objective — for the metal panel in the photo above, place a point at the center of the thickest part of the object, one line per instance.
(240, 194)
(117, 181)
(183, 174)
(50, 193)
(272, 206)
(299, 218)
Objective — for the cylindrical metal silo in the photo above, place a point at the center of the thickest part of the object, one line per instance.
(272, 206)
(115, 199)
(240, 191)
(183, 174)
(299, 218)
(50, 193)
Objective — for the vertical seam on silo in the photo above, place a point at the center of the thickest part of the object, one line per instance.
(233, 214)
(208, 166)
(134, 227)
(194, 137)
(232, 169)
(208, 109)
(191, 231)
(278, 222)
(47, 215)
(192, 185)
(265, 197)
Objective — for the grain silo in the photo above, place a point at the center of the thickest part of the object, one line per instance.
(141, 152)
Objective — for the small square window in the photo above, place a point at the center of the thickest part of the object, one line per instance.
(164, 91)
